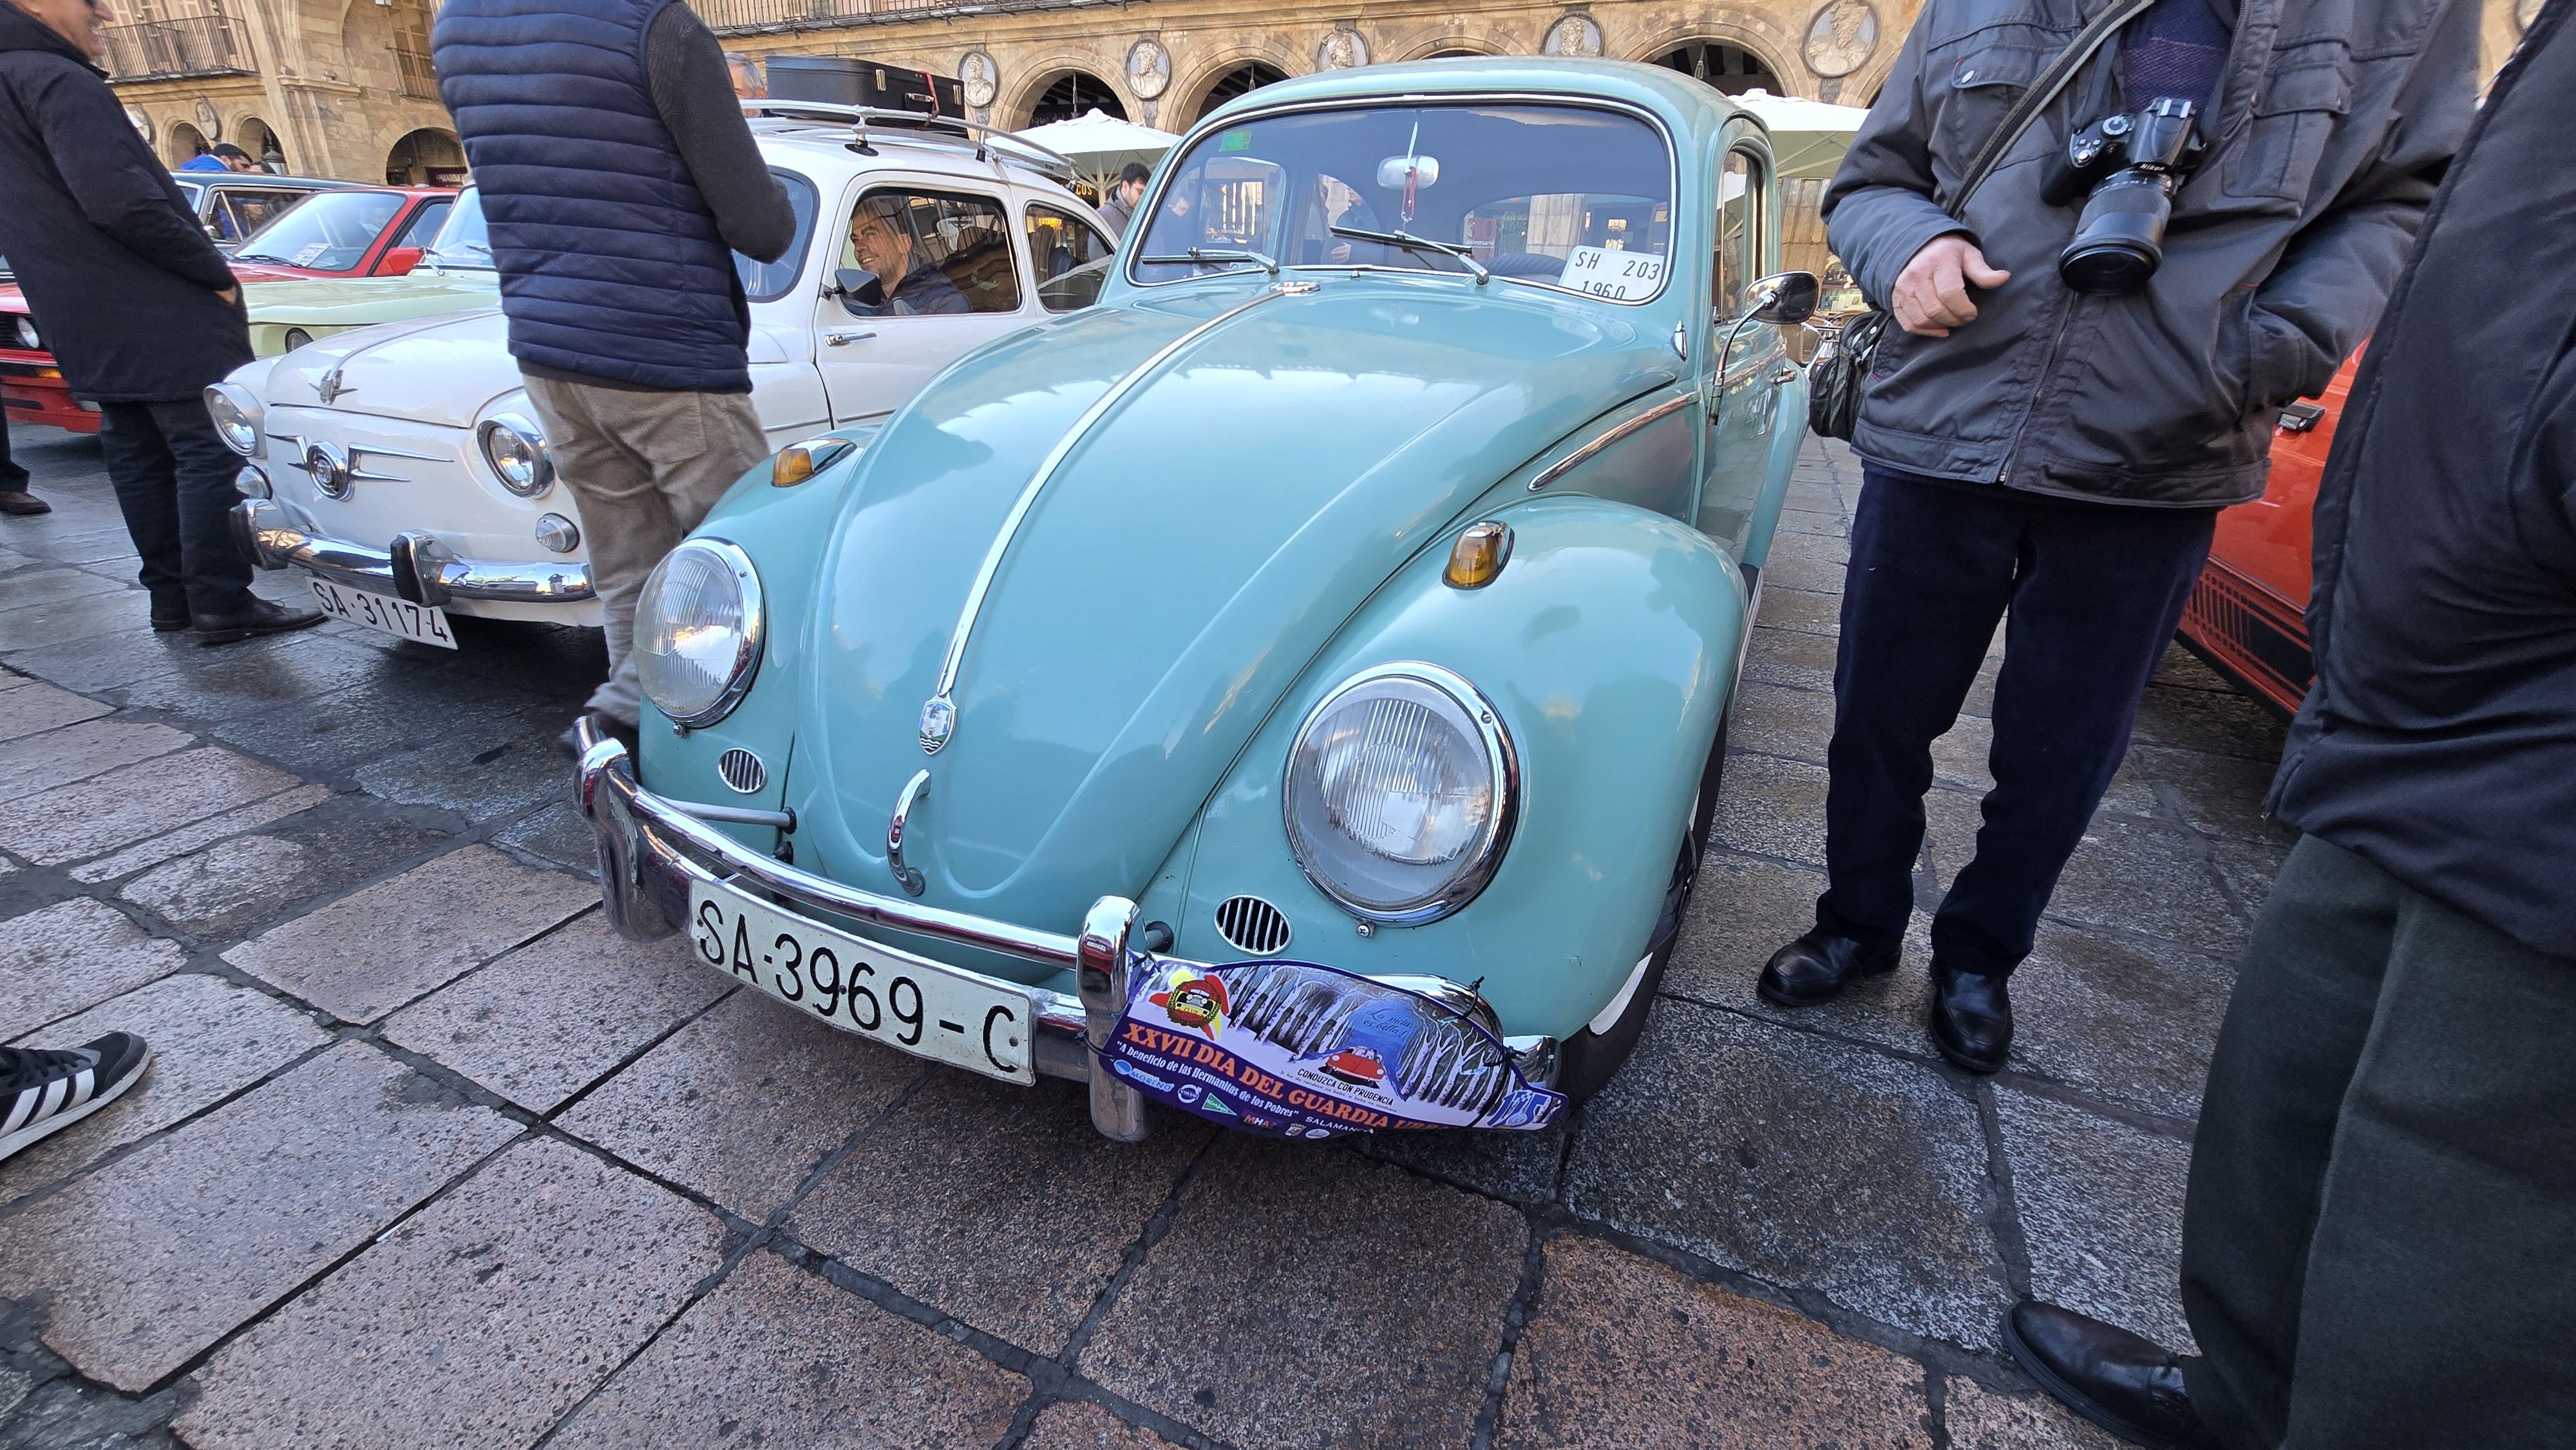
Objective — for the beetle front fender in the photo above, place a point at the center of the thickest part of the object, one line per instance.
(1606, 647)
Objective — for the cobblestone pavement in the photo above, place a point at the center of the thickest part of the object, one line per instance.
(430, 1157)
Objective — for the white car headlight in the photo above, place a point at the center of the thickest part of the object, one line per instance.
(237, 417)
(516, 449)
(1400, 793)
(697, 631)
(28, 337)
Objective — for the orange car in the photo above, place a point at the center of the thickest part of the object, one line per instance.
(2247, 617)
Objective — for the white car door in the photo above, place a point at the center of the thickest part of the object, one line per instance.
(948, 263)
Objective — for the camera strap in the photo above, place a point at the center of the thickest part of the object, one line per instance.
(2043, 89)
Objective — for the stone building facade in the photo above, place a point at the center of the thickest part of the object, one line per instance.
(344, 88)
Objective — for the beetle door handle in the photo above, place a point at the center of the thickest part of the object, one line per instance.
(1783, 373)
(844, 339)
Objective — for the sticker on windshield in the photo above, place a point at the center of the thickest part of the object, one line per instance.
(1294, 1050)
(1232, 141)
(1619, 276)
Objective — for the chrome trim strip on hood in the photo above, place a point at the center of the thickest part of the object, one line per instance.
(939, 712)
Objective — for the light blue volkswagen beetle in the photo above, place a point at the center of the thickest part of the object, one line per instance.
(1291, 691)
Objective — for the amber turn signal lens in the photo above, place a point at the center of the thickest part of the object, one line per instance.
(793, 466)
(1479, 555)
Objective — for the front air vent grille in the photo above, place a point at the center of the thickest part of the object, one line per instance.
(1253, 925)
(742, 770)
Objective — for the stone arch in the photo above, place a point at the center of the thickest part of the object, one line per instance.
(1443, 46)
(1214, 83)
(430, 156)
(182, 143)
(261, 140)
(1018, 100)
(1073, 92)
(1758, 38)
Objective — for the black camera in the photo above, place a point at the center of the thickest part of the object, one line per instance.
(2126, 167)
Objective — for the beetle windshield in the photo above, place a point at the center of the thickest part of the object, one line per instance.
(1568, 196)
(329, 230)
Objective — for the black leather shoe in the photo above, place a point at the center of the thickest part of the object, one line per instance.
(1971, 1019)
(262, 617)
(170, 618)
(2129, 1386)
(1816, 966)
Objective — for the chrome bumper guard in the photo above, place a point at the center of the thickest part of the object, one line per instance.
(651, 848)
(418, 567)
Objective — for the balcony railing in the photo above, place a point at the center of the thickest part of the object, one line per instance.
(736, 17)
(160, 50)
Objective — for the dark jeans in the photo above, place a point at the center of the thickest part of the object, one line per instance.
(2382, 1216)
(174, 482)
(2090, 593)
(13, 479)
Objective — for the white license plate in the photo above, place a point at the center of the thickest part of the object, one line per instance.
(922, 1007)
(420, 623)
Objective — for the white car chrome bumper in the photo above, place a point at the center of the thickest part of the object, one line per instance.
(416, 567)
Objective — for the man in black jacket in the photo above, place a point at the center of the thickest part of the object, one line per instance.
(138, 307)
(2382, 1210)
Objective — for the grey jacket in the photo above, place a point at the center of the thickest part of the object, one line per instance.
(2334, 122)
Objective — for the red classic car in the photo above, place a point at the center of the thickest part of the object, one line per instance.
(370, 231)
(2247, 617)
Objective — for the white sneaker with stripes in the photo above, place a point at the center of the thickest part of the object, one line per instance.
(43, 1091)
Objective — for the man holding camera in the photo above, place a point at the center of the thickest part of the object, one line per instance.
(2196, 229)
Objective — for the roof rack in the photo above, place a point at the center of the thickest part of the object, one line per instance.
(921, 128)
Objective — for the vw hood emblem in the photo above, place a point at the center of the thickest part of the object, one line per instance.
(938, 722)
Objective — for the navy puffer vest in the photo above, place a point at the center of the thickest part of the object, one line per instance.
(611, 266)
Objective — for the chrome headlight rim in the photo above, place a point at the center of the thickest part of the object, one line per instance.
(748, 639)
(25, 333)
(519, 428)
(295, 337)
(248, 416)
(1483, 857)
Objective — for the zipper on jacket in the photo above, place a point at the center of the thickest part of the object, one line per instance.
(2048, 369)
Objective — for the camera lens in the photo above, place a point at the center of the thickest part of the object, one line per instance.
(2119, 238)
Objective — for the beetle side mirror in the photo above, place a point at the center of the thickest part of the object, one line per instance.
(398, 261)
(859, 289)
(1785, 298)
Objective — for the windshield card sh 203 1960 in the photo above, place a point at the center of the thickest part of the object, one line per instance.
(1295, 1050)
(1619, 276)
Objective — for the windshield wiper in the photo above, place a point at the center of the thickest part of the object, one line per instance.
(1217, 256)
(1411, 243)
(263, 257)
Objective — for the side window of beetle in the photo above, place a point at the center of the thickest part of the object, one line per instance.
(1741, 188)
(934, 252)
(1070, 256)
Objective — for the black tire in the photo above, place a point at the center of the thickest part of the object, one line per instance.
(1588, 1060)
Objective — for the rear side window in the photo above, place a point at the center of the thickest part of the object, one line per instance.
(934, 251)
(424, 225)
(1070, 256)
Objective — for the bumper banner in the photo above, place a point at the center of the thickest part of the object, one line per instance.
(1295, 1050)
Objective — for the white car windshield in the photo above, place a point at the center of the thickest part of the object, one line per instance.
(1566, 196)
(329, 230)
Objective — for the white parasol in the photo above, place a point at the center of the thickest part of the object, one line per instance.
(1808, 138)
(1101, 145)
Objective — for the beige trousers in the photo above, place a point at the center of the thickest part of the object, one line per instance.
(644, 469)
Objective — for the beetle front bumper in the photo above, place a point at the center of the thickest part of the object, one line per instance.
(417, 567)
(651, 848)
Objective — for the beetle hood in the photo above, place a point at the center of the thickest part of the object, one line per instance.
(1234, 482)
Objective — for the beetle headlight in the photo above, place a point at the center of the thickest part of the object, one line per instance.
(28, 337)
(1400, 793)
(237, 417)
(697, 631)
(516, 449)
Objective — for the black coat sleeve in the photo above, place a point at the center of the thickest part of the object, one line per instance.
(117, 183)
(693, 91)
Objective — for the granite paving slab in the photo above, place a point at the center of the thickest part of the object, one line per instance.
(1814, 521)
(742, 1104)
(66, 619)
(1741, 911)
(2141, 878)
(505, 765)
(1080, 1425)
(1833, 550)
(1773, 807)
(235, 885)
(1811, 563)
(479, 1321)
(210, 1039)
(1521, 1167)
(1623, 1353)
(1808, 1163)
(72, 955)
(2129, 1018)
(35, 707)
(336, 734)
(196, 1232)
(1287, 1272)
(132, 802)
(968, 1163)
(2220, 794)
(2216, 722)
(1795, 723)
(38, 763)
(376, 949)
(545, 1021)
(24, 587)
(154, 850)
(558, 834)
(2101, 1211)
(241, 678)
(777, 1357)
(1982, 1419)
(1790, 658)
(1797, 609)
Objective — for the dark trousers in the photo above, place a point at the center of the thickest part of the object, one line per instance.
(13, 479)
(2090, 594)
(174, 483)
(2379, 1244)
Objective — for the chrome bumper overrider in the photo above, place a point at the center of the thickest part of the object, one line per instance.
(418, 567)
(652, 848)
